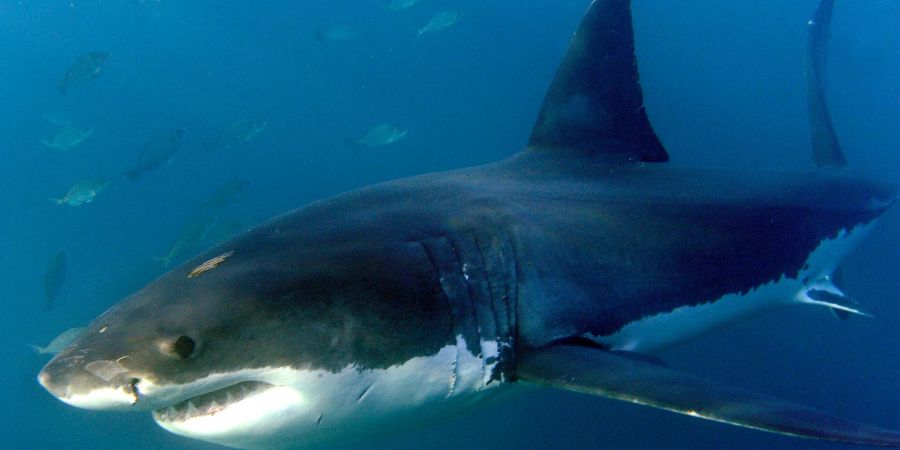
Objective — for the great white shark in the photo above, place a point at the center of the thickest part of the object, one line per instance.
(566, 265)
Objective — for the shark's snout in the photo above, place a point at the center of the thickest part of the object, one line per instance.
(101, 384)
(44, 380)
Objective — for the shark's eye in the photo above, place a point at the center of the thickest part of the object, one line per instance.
(184, 347)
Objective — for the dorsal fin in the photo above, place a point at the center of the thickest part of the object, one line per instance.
(826, 150)
(594, 106)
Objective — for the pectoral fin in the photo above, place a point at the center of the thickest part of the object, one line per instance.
(597, 372)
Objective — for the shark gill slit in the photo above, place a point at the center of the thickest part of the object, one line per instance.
(468, 289)
(454, 325)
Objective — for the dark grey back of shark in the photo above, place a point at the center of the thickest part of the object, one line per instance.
(416, 298)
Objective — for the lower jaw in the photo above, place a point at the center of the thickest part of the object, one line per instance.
(251, 422)
(209, 404)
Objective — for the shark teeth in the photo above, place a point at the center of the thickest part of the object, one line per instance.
(209, 403)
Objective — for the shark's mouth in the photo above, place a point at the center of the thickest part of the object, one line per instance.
(211, 403)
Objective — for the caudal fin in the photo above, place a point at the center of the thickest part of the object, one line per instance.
(826, 150)
(37, 349)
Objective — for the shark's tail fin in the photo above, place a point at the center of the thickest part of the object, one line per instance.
(826, 150)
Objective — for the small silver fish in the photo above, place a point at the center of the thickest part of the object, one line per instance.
(160, 150)
(239, 132)
(189, 238)
(59, 342)
(226, 194)
(68, 137)
(223, 230)
(399, 5)
(83, 192)
(441, 21)
(381, 135)
(85, 68)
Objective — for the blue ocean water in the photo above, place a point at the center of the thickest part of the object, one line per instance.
(723, 84)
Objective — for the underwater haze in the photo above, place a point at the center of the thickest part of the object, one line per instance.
(236, 111)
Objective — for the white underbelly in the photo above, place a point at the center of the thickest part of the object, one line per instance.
(307, 408)
(664, 329)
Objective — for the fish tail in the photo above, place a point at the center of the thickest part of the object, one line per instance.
(58, 201)
(37, 349)
(46, 143)
(61, 86)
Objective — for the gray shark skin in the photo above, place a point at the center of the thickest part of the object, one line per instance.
(412, 300)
